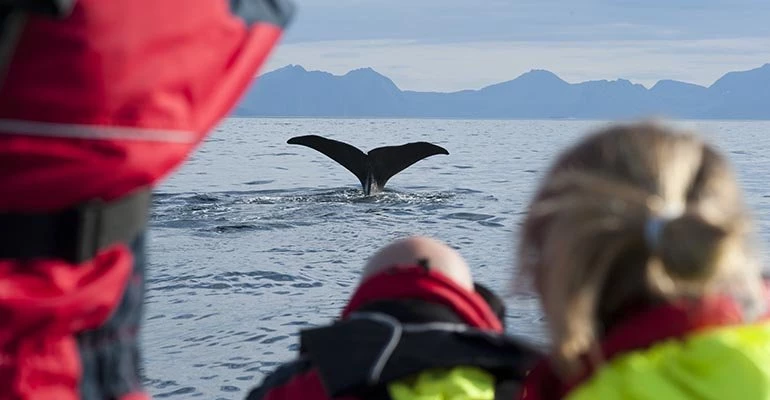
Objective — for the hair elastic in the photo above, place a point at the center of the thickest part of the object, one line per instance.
(653, 228)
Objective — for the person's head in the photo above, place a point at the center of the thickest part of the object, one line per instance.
(634, 215)
(436, 256)
(416, 249)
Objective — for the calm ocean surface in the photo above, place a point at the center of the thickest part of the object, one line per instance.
(254, 239)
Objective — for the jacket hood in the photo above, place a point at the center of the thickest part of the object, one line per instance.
(419, 282)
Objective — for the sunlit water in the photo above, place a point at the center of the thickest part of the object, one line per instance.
(254, 239)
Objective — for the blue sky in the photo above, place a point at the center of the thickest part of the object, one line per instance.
(452, 45)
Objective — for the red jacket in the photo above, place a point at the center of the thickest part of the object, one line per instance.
(118, 94)
(94, 105)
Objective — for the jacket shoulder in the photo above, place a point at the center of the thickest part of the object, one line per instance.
(280, 377)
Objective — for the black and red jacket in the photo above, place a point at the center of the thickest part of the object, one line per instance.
(398, 323)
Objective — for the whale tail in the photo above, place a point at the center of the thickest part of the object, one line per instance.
(374, 169)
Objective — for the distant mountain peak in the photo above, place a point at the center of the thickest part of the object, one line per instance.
(367, 71)
(363, 69)
(291, 67)
(539, 74)
(532, 79)
(751, 79)
(674, 84)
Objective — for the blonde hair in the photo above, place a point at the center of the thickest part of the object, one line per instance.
(586, 238)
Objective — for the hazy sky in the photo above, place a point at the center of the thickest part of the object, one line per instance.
(446, 45)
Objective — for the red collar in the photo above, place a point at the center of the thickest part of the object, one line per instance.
(640, 330)
(409, 281)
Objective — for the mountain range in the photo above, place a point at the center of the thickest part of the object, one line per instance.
(293, 91)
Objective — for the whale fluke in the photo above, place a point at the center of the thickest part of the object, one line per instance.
(344, 154)
(374, 169)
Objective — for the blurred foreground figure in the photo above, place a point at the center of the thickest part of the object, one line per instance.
(639, 245)
(417, 327)
(99, 100)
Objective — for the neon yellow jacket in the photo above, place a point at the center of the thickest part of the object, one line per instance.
(720, 363)
(458, 383)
